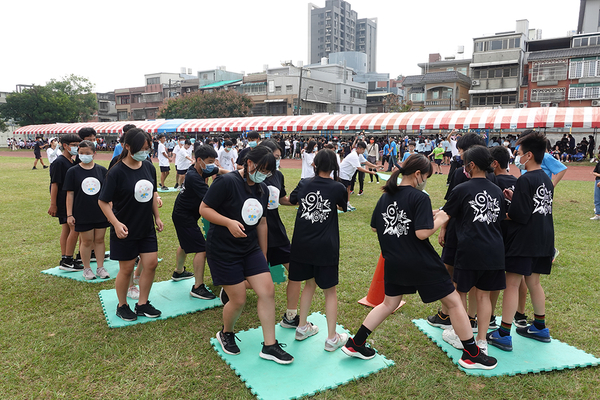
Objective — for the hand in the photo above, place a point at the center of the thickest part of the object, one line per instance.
(159, 202)
(442, 236)
(508, 194)
(52, 211)
(236, 229)
(71, 220)
(159, 224)
(121, 230)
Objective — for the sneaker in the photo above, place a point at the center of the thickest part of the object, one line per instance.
(352, 192)
(493, 324)
(483, 346)
(520, 322)
(93, 256)
(452, 338)
(501, 342)
(350, 207)
(479, 361)
(289, 323)
(473, 322)
(34, 168)
(78, 263)
(45, 166)
(102, 273)
(595, 217)
(202, 292)
(88, 274)
(339, 340)
(223, 296)
(68, 264)
(530, 331)
(439, 322)
(353, 350)
(125, 313)
(306, 331)
(556, 253)
(360, 193)
(147, 310)
(133, 293)
(176, 186)
(179, 276)
(275, 353)
(227, 340)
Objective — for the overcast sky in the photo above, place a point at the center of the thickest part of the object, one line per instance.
(115, 44)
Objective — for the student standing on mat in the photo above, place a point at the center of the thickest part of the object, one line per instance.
(82, 184)
(236, 248)
(131, 187)
(58, 201)
(404, 222)
(529, 242)
(315, 249)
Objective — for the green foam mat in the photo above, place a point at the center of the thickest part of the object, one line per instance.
(313, 370)
(169, 190)
(170, 297)
(528, 355)
(277, 273)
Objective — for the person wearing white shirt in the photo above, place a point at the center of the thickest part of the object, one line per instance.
(164, 161)
(183, 161)
(226, 156)
(352, 163)
(53, 151)
(308, 156)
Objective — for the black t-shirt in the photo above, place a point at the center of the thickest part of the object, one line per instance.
(478, 207)
(242, 155)
(277, 233)
(408, 260)
(228, 196)
(316, 238)
(506, 182)
(58, 171)
(531, 228)
(597, 170)
(187, 204)
(132, 193)
(37, 147)
(86, 185)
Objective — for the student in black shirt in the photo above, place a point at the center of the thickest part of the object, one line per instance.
(131, 187)
(83, 183)
(404, 222)
(529, 242)
(316, 244)
(596, 173)
(58, 201)
(253, 138)
(37, 152)
(236, 248)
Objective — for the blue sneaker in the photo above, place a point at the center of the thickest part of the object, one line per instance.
(501, 342)
(542, 335)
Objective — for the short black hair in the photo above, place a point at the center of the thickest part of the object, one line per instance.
(480, 156)
(205, 151)
(128, 127)
(361, 144)
(70, 138)
(227, 143)
(469, 140)
(534, 142)
(86, 132)
(253, 135)
(500, 154)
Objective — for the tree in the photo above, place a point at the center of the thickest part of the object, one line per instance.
(68, 100)
(392, 104)
(218, 104)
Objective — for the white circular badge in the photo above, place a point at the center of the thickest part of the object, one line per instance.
(273, 198)
(143, 191)
(252, 211)
(90, 186)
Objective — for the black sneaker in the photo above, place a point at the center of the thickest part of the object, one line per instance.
(125, 313)
(68, 264)
(34, 168)
(439, 322)
(227, 340)
(147, 310)
(176, 186)
(93, 256)
(480, 361)
(353, 350)
(223, 296)
(521, 321)
(289, 323)
(202, 292)
(493, 324)
(45, 166)
(179, 276)
(473, 322)
(275, 353)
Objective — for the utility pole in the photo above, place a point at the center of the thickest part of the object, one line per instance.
(299, 91)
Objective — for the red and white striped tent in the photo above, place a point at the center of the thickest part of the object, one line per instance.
(515, 118)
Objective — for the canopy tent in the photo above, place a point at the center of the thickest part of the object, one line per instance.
(514, 118)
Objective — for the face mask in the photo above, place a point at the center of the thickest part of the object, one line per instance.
(94, 143)
(421, 186)
(252, 144)
(258, 177)
(209, 168)
(467, 173)
(518, 163)
(73, 151)
(277, 162)
(182, 142)
(140, 155)
(86, 158)
(227, 149)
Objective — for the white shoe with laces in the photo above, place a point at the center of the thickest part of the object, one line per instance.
(307, 331)
(133, 293)
(88, 274)
(338, 341)
(452, 338)
(595, 217)
(483, 346)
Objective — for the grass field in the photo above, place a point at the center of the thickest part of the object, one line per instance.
(55, 342)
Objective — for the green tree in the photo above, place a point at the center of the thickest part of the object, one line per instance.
(392, 104)
(68, 100)
(218, 104)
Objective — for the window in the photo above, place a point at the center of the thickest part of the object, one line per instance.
(344, 91)
(152, 98)
(278, 89)
(553, 94)
(351, 110)
(122, 115)
(288, 88)
(555, 71)
(321, 90)
(344, 108)
(450, 69)
(417, 97)
(359, 110)
(152, 81)
(497, 44)
(494, 100)
(271, 86)
(525, 96)
(123, 99)
(584, 91)
(584, 68)
(576, 93)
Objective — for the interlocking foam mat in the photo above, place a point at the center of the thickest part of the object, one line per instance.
(169, 190)
(528, 355)
(170, 297)
(313, 370)
(277, 273)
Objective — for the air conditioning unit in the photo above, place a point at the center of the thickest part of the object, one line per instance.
(553, 104)
(595, 103)
(545, 104)
(187, 90)
(522, 105)
(476, 82)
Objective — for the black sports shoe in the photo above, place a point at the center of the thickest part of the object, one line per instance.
(202, 292)
(93, 256)
(227, 340)
(479, 361)
(179, 276)
(45, 166)
(68, 264)
(125, 313)
(275, 353)
(146, 310)
(289, 323)
(437, 321)
(353, 350)
(223, 296)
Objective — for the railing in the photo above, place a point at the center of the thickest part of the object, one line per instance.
(438, 102)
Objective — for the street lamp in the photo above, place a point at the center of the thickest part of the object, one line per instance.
(290, 64)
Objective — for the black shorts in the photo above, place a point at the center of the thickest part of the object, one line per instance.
(437, 161)
(429, 292)
(62, 219)
(345, 182)
(234, 272)
(325, 276)
(528, 265)
(181, 171)
(448, 154)
(484, 280)
(279, 255)
(165, 169)
(190, 238)
(89, 227)
(125, 250)
(38, 156)
(448, 255)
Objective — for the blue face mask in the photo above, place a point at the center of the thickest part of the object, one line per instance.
(258, 177)
(140, 155)
(209, 168)
(277, 162)
(86, 158)
(253, 144)
(73, 150)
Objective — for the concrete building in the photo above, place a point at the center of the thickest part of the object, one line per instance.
(139, 103)
(11, 126)
(107, 107)
(366, 41)
(589, 16)
(358, 62)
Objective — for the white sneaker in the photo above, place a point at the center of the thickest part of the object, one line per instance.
(306, 331)
(595, 217)
(452, 338)
(88, 274)
(337, 342)
(350, 207)
(133, 293)
(102, 273)
(483, 346)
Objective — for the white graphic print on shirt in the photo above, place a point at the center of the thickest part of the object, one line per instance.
(485, 207)
(395, 221)
(542, 200)
(143, 191)
(252, 211)
(273, 198)
(90, 186)
(315, 208)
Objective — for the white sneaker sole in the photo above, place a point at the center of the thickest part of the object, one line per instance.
(223, 347)
(308, 334)
(466, 365)
(273, 358)
(355, 354)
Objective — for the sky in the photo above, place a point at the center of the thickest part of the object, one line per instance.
(118, 42)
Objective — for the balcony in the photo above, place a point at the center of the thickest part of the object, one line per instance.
(438, 102)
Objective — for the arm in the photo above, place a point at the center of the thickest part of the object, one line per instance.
(366, 171)
(120, 229)
(236, 228)
(556, 178)
(53, 195)
(70, 218)
(440, 219)
(155, 206)
(285, 201)
(263, 234)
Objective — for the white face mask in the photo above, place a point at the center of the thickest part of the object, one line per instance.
(421, 185)
(86, 158)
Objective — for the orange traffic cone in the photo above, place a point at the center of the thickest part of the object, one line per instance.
(376, 292)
